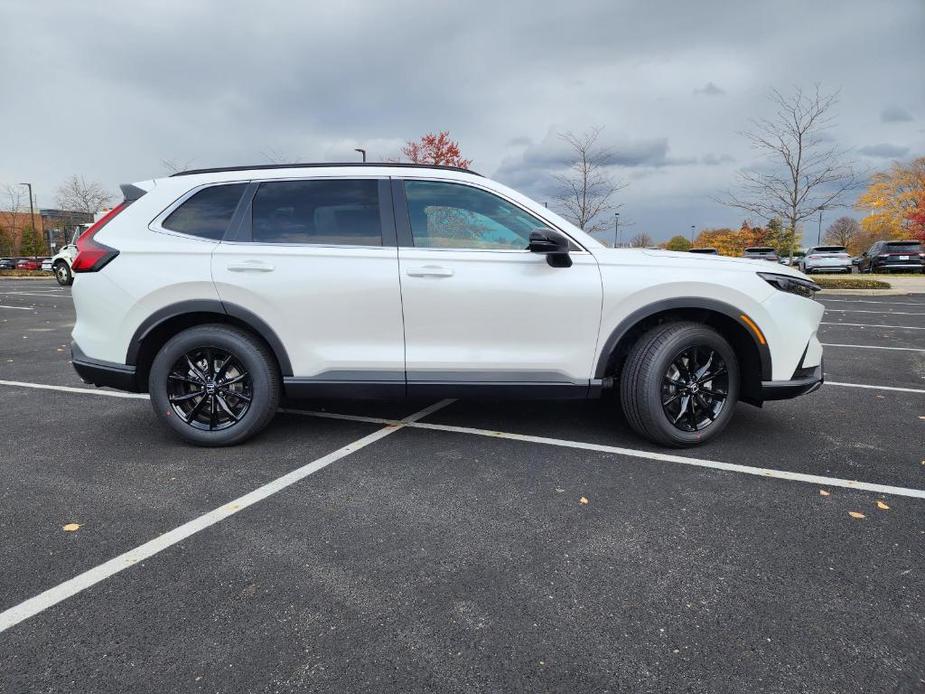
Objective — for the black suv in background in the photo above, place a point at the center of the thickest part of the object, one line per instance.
(761, 253)
(704, 251)
(887, 256)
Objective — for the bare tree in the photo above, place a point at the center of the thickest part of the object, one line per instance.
(176, 166)
(641, 241)
(77, 194)
(11, 206)
(842, 232)
(586, 191)
(803, 172)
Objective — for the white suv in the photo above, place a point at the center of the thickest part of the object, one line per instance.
(218, 291)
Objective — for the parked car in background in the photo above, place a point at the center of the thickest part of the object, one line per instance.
(890, 256)
(218, 291)
(704, 251)
(825, 259)
(7, 264)
(29, 264)
(63, 259)
(792, 260)
(46, 264)
(761, 253)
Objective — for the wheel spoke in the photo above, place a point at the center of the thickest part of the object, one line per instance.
(184, 398)
(195, 369)
(716, 394)
(709, 377)
(189, 417)
(240, 396)
(220, 371)
(683, 411)
(703, 369)
(211, 412)
(185, 379)
(237, 379)
(705, 407)
(224, 406)
(675, 382)
(671, 399)
(210, 363)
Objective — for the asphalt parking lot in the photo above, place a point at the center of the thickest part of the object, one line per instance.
(452, 552)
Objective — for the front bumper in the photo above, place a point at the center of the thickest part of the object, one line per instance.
(784, 390)
(100, 373)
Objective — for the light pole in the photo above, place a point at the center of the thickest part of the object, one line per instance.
(692, 234)
(31, 215)
(819, 234)
(362, 152)
(616, 229)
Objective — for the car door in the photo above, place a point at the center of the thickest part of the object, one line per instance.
(316, 260)
(482, 311)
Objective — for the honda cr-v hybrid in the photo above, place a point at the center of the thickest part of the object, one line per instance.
(219, 291)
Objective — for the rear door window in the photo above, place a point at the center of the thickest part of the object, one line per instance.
(206, 214)
(323, 212)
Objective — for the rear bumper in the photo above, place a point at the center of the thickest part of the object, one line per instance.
(784, 390)
(100, 373)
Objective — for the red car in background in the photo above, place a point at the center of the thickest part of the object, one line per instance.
(29, 264)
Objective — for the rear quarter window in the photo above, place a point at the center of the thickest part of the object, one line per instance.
(207, 213)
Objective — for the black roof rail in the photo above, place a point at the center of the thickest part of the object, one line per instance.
(320, 165)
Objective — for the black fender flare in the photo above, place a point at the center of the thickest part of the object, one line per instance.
(180, 308)
(624, 326)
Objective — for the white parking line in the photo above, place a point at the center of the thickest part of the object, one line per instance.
(52, 596)
(863, 301)
(868, 325)
(70, 389)
(881, 313)
(869, 387)
(898, 349)
(18, 308)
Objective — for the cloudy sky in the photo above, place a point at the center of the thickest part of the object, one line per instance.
(111, 90)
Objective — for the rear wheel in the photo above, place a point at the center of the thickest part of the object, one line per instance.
(63, 274)
(214, 385)
(680, 384)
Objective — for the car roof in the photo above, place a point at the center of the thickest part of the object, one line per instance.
(323, 165)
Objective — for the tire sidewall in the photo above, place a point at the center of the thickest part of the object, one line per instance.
(655, 373)
(69, 276)
(265, 392)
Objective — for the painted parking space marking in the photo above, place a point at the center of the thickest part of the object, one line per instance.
(863, 301)
(868, 325)
(18, 308)
(898, 349)
(52, 596)
(879, 313)
(873, 387)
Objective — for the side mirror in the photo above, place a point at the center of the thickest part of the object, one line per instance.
(553, 244)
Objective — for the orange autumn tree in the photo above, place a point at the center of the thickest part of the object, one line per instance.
(895, 201)
(435, 149)
(733, 242)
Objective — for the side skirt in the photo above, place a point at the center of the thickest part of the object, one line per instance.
(307, 388)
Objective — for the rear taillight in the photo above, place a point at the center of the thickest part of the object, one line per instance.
(92, 255)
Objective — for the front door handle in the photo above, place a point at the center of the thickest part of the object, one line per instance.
(250, 266)
(429, 271)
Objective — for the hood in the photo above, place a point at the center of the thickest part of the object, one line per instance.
(647, 256)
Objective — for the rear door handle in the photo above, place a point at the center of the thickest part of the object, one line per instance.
(429, 271)
(250, 266)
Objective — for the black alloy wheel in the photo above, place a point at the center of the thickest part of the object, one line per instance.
(695, 388)
(209, 389)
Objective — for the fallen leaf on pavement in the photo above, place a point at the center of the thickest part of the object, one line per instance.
(882, 506)
(71, 527)
(583, 500)
(856, 514)
(823, 492)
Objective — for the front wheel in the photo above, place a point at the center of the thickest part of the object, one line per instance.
(63, 274)
(214, 385)
(680, 384)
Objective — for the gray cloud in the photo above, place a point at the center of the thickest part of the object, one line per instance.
(222, 81)
(884, 151)
(710, 89)
(895, 114)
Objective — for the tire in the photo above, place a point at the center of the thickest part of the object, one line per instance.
(211, 408)
(63, 274)
(644, 384)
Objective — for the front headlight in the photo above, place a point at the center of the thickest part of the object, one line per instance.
(791, 285)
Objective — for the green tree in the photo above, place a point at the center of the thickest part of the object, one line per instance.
(678, 243)
(31, 242)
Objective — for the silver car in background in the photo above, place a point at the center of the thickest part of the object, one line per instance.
(825, 259)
